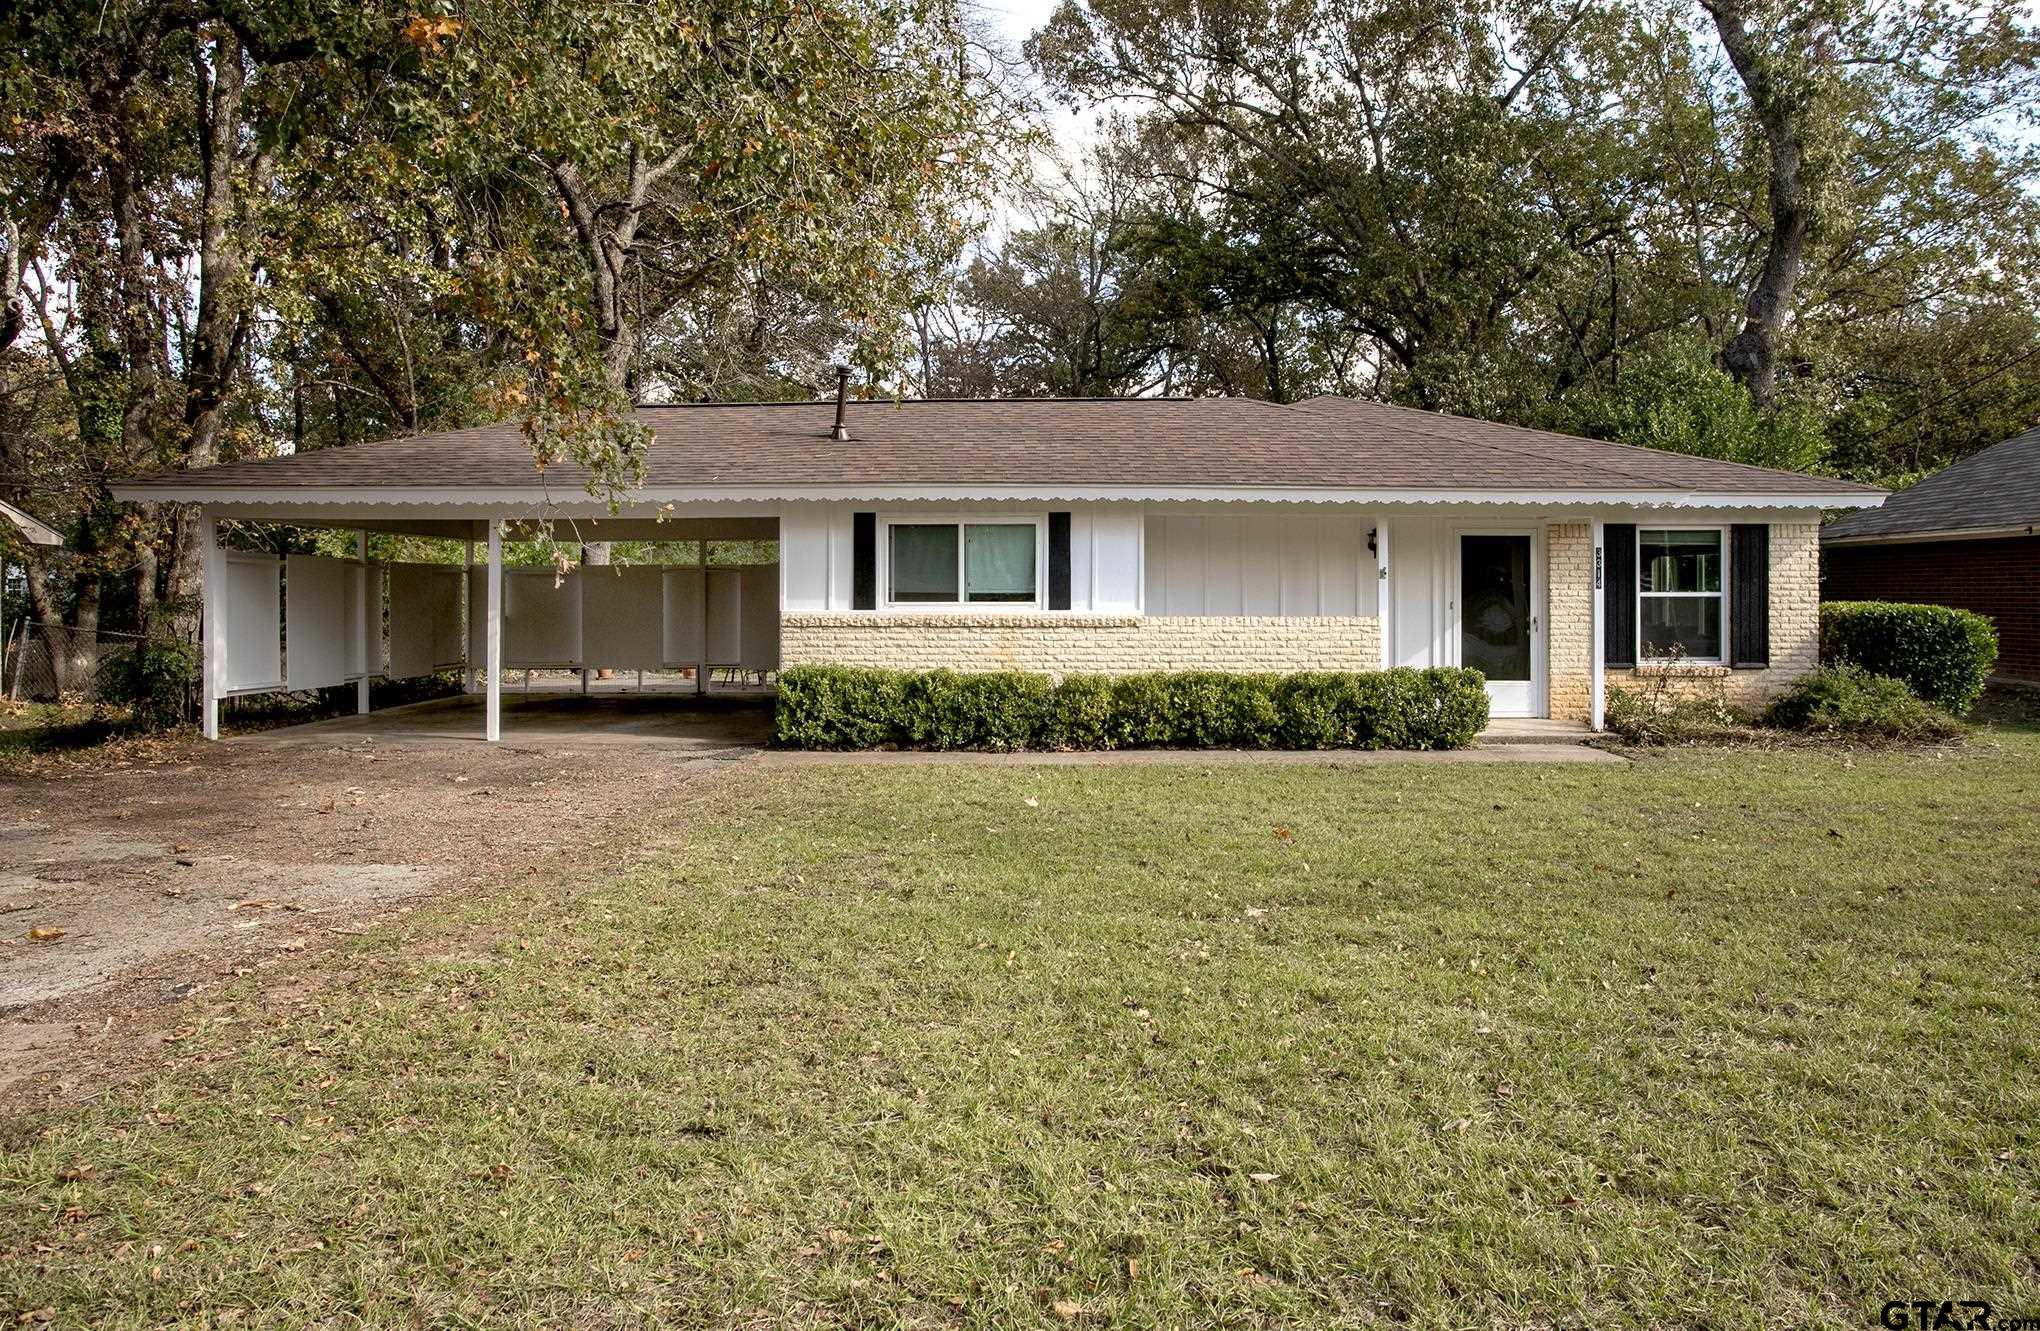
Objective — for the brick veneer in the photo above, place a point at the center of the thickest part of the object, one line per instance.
(1795, 623)
(1998, 578)
(1569, 619)
(1081, 644)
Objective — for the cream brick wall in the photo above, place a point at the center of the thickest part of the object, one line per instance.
(1795, 628)
(1081, 644)
(1569, 619)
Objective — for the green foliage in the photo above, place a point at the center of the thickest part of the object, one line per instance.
(850, 707)
(152, 677)
(1943, 655)
(1848, 701)
(943, 709)
(1549, 214)
(1659, 712)
(1676, 398)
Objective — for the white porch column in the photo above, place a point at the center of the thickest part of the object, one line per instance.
(468, 678)
(212, 597)
(368, 657)
(1598, 647)
(493, 658)
(1384, 595)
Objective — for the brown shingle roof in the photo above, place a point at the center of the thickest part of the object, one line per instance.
(1332, 443)
(1996, 489)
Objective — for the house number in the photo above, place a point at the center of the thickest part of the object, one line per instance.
(1597, 568)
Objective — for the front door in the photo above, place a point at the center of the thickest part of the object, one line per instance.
(1498, 619)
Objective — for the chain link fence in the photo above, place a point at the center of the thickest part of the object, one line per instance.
(57, 663)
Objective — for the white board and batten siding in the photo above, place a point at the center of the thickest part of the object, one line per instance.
(1275, 562)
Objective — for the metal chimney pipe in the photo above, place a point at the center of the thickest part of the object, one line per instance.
(841, 432)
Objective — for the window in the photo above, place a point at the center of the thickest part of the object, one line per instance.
(1678, 590)
(989, 563)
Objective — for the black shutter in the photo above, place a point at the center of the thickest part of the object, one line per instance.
(1749, 596)
(1618, 593)
(864, 561)
(1058, 561)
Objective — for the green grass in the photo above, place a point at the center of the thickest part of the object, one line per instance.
(1716, 1039)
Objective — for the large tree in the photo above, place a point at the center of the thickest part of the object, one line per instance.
(1504, 206)
(233, 226)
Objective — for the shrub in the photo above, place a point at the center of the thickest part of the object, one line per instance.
(153, 677)
(840, 707)
(994, 710)
(1079, 714)
(1674, 703)
(1849, 700)
(1944, 655)
(845, 707)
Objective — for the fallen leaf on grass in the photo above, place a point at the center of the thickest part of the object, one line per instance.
(1066, 1310)
(1264, 1178)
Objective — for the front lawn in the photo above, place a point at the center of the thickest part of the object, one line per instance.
(1716, 1039)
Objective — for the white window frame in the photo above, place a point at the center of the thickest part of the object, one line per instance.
(962, 605)
(1721, 532)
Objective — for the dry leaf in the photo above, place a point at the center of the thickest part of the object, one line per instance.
(39, 934)
(1066, 1310)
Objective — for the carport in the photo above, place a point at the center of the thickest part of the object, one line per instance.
(303, 622)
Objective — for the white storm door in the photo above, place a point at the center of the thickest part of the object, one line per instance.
(1498, 627)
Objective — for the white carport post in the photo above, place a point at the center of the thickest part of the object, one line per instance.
(1596, 702)
(467, 598)
(212, 592)
(493, 657)
(368, 658)
(1384, 601)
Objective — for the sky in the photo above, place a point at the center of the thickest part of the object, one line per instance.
(1017, 18)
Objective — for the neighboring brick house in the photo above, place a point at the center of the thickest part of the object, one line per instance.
(1053, 535)
(1965, 537)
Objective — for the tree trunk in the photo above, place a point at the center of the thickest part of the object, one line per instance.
(1752, 354)
(223, 295)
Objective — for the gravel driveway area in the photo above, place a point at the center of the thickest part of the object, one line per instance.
(139, 874)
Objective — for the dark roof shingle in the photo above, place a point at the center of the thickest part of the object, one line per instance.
(1997, 488)
(1216, 442)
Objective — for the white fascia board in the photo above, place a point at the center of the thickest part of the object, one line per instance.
(478, 502)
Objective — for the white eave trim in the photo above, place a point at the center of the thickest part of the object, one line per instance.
(1929, 537)
(480, 498)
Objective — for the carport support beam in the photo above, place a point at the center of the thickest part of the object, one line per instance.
(361, 635)
(468, 681)
(212, 589)
(493, 657)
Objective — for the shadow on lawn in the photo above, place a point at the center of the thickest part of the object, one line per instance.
(2009, 706)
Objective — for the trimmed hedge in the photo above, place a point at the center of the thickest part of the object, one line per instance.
(1944, 655)
(851, 707)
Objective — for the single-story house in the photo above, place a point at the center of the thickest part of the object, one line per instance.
(1054, 535)
(1963, 537)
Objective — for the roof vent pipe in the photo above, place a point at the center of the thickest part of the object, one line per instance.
(841, 432)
